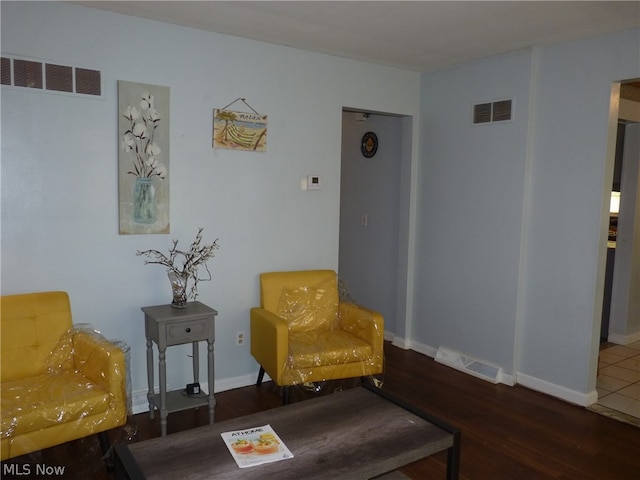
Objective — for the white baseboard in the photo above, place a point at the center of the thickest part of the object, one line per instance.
(566, 394)
(558, 391)
(507, 379)
(424, 349)
(623, 339)
(140, 404)
(400, 342)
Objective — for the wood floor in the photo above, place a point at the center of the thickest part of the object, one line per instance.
(507, 432)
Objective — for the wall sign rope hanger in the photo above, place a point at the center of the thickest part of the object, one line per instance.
(243, 100)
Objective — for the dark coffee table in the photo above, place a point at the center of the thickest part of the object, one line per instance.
(359, 433)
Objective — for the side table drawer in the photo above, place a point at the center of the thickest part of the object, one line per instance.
(184, 332)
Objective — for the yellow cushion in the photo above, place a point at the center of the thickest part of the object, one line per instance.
(35, 403)
(31, 326)
(273, 284)
(308, 308)
(313, 349)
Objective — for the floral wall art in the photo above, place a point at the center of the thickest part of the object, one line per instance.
(143, 160)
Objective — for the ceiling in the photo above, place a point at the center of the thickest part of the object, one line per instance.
(413, 35)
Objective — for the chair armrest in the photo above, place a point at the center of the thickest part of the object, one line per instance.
(102, 362)
(269, 341)
(365, 324)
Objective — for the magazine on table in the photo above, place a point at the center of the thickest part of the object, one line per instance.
(255, 446)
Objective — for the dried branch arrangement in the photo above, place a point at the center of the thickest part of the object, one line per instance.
(185, 264)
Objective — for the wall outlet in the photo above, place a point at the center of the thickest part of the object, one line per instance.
(239, 338)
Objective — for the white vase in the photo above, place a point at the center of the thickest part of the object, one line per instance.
(178, 289)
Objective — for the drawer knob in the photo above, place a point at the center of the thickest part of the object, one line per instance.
(188, 329)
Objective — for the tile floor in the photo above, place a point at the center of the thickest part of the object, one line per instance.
(618, 382)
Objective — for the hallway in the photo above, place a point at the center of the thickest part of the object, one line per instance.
(618, 382)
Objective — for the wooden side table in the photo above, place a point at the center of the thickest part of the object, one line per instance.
(169, 326)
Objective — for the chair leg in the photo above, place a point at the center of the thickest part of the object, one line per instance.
(105, 446)
(260, 377)
(285, 394)
(285, 389)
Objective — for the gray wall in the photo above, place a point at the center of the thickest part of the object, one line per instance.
(59, 170)
(368, 257)
(567, 215)
(472, 181)
(503, 226)
(513, 218)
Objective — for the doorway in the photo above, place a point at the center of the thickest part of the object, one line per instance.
(373, 236)
(621, 306)
(618, 372)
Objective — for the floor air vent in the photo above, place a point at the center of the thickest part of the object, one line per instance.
(477, 368)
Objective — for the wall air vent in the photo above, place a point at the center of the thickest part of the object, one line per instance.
(50, 77)
(482, 113)
(498, 111)
(501, 111)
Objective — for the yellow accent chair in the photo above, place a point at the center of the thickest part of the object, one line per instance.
(302, 333)
(58, 383)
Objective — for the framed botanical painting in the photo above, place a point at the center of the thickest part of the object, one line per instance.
(143, 159)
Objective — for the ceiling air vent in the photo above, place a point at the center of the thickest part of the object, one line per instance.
(499, 111)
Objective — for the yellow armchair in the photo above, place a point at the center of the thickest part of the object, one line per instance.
(303, 333)
(58, 383)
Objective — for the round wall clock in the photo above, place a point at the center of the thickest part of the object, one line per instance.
(369, 145)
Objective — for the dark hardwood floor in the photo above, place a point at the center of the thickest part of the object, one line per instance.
(507, 432)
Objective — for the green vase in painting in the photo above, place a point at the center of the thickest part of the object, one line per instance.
(144, 201)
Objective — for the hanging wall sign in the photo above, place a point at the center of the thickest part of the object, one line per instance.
(239, 130)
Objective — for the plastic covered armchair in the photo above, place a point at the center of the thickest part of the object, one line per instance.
(302, 332)
(59, 382)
